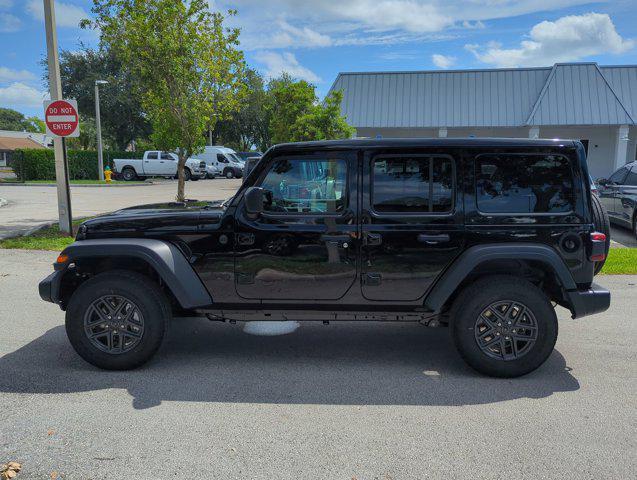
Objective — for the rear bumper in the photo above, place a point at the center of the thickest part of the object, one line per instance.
(588, 302)
(49, 288)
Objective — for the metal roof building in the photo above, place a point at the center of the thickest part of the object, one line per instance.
(597, 105)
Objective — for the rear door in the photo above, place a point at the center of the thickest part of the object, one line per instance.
(411, 222)
(167, 164)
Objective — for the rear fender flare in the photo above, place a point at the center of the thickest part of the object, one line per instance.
(462, 267)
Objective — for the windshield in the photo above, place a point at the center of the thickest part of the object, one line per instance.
(235, 157)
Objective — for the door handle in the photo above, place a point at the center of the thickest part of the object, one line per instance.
(373, 239)
(339, 240)
(433, 239)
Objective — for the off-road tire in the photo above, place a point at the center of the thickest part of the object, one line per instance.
(602, 225)
(478, 296)
(129, 174)
(145, 295)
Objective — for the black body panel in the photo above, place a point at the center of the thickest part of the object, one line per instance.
(360, 258)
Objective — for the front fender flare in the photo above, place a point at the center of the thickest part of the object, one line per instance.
(164, 257)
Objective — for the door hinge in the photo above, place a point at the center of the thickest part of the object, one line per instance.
(245, 239)
(372, 279)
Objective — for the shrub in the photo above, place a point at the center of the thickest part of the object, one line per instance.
(39, 164)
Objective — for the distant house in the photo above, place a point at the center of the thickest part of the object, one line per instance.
(582, 101)
(11, 141)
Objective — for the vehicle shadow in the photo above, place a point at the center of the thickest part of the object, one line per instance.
(345, 363)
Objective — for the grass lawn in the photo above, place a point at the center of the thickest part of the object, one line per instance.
(46, 239)
(620, 260)
(73, 182)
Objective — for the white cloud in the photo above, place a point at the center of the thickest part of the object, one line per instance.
(567, 39)
(277, 63)
(66, 14)
(9, 23)
(9, 75)
(289, 24)
(20, 95)
(442, 61)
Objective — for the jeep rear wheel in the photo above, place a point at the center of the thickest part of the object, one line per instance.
(117, 320)
(503, 326)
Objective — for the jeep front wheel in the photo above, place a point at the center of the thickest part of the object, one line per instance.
(117, 320)
(503, 326)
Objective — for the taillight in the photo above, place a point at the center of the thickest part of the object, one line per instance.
(598, 237)
(598, 250)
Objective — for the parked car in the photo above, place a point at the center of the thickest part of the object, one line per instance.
(222, 160)
(245, 155)
(618, 194)
(156, 163)
(482, 235)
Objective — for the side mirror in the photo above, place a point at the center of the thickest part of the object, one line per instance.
(254, 198)
(602, 181)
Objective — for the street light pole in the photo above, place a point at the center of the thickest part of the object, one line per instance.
(98, 124)
(55, 87)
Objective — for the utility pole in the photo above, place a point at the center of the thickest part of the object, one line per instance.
(55, 87)
(98, 124)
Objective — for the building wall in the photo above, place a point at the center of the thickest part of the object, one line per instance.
(601, 140)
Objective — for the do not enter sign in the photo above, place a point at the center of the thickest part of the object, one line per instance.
(61, 118)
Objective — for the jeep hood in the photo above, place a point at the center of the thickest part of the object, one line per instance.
(155, 218)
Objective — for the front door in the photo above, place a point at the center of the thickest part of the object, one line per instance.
(304, 245)
(626, 199)
(608, 191)
(411, 223)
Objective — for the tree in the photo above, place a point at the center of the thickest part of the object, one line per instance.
(296, 115)
(183, 63)
(123, 119)
(287, 100)
(322, 122)
(249, 125)
(14, 120)
(88, 135)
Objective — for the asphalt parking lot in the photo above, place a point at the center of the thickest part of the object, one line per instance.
(364, 401)
(30, 206)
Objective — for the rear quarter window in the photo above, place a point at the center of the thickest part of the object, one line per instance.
(524, 184)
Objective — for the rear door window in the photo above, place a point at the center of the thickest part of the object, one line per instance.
(412, 184)
(535, 184)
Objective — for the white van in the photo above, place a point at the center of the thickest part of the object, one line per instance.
(221, 161)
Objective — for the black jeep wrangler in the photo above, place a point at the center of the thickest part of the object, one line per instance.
(483, 235)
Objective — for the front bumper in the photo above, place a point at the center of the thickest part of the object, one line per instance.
(49, 288)
(588, 302)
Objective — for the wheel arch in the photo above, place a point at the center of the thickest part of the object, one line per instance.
(160, 260)
(538, 263)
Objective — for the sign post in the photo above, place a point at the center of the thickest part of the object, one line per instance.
(62, 120)
(55, 87)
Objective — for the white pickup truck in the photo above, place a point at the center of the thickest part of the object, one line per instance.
(156, 163)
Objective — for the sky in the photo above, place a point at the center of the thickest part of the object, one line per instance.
(315, 40)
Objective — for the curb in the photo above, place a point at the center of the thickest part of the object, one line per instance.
(15, 184)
